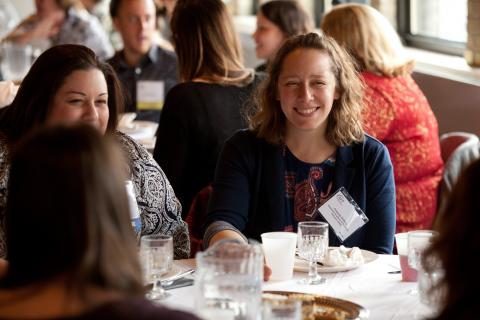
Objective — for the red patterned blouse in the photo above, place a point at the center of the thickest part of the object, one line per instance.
(398, 114)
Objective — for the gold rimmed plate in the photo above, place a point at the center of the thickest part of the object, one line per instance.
(321, 307)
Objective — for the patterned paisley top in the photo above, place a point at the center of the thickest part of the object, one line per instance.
(307, 187)
(398, 114)
(160, 210)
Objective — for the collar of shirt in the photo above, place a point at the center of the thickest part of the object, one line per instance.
(150, 58)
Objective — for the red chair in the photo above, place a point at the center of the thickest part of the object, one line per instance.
(196, 218)
(449, 142)
(458, 150)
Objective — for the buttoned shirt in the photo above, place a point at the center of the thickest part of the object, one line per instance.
(158, 64)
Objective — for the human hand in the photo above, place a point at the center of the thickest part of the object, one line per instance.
(267, 272)
(48, 26)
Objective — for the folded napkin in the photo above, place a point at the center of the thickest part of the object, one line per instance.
(126, 120)
(343, 257)
(8, 90)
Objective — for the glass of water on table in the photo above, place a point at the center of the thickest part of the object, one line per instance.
(312, 246)
(418, 241)
(156, 256)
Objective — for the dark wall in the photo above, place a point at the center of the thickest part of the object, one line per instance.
(455, 104)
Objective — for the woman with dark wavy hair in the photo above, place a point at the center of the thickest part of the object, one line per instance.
(68, 84)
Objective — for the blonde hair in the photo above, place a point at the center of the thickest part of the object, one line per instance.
(344, 121)
(369, 37)
(207, 44)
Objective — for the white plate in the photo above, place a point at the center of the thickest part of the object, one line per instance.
(302, 265)
(139, 129)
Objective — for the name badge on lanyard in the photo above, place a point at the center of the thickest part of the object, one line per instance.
(150, 94)
(343, 214)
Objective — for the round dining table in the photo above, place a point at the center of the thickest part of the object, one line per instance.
(376, 286)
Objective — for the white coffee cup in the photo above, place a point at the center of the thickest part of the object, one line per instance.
(279, 249)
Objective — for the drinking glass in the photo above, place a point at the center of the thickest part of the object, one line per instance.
(228, 281)
(417, 242)
(312, 246)
(133, 206)
(156, 254)
(16, 60)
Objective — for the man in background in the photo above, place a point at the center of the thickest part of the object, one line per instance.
(146, 70)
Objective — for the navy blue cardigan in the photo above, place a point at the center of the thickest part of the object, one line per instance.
(249, 189)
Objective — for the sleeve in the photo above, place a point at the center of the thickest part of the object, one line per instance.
(230, 201)
(4, 170)
(160, 210)
(380, 201)
(173, 146)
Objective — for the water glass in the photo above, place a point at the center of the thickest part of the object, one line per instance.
(16, 60)
(430, 289)
(156, 255)
(133, 206)
(417, 242)
(228, 282)
(313, 246)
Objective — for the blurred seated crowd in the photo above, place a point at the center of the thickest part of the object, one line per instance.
(239, 152)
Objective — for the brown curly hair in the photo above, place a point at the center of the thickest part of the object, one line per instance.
(344, 121)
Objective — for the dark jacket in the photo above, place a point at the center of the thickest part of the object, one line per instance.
(249, 189)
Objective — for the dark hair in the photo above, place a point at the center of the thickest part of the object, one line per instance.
(289, 16)
(344, 126)
(67, 213)
(115, 5)
(206, 43)
(37, 90)
(453, 249)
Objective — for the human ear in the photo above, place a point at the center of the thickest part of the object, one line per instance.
(336, 94)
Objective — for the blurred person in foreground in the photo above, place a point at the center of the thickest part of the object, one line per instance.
(68, 84)
(278, 20)
(62, 22)
(454, 250)
(305, 142)
(146, 70)
(76, 257)
(396, 110)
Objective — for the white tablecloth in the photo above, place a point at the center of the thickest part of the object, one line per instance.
(383, 294)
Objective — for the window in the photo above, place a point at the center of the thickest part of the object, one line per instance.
(438, 25)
